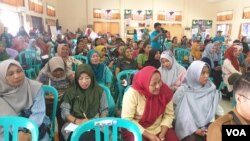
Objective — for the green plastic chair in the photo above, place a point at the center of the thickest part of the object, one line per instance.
(180, 53)
(80, 58)
(222, 85)
(13, 123)
(111, 103)
(127, 75)
(29, 65)
(105, 123)
(51, 90)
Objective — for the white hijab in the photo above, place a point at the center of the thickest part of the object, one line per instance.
(195, 104)
(169, 76)
(14, 99)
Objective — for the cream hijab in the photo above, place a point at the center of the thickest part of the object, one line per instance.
(169, 76)
(53, 64)
(14, 99)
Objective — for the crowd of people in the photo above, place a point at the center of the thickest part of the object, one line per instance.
(166, 100)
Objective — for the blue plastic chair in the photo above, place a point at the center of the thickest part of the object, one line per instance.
(105, 123)
(127, 75)
(80, 58)
(111, 103)
(29, 64)
(51, 90)
(13, 123)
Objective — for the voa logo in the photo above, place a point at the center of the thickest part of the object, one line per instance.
(236, 132)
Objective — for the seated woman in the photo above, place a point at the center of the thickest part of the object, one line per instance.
(54, 74)
(231, 65)
(196, 102)
(127, 62)
(212, 56)
(63, 51)
(81, 46)
(84, 100)
(33, 47)
(101, 71)
(196, 50)
(102, 50)
(148, 103)
(3, 54)
(20, 96)
(172, 73)
(143, 54)
(153, 58)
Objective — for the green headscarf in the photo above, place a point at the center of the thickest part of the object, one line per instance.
(84, 101)
(3, 55)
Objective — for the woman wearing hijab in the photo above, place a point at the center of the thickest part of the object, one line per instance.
(63, 51)
(148, 103)
(3, 54)
(127, 62)
(33, 47)
(84, 100)
(101, 71)
(212, 56)
(23, 97)
(102, 51)
(172, 73)
(153, 58)
(196, 102)
(231, 65)
(54, 74)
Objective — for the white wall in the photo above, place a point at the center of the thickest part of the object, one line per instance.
(80, 12)
(237, 6)
(72, 14)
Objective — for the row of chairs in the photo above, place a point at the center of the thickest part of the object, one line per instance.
(51, 90)
(13, 123)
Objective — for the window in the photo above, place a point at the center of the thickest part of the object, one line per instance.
(51, 10)
(225, 16)
(246, 13)
(36, 6)
(12, 23)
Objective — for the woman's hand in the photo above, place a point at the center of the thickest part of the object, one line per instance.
(201, 132)
(161, 136)
(80, 121)
(154, 138)
(111, 64)
(150, 137)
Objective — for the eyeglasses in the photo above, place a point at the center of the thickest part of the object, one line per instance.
(245, 97)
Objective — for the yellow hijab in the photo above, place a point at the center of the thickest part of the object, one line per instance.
(99, 50)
